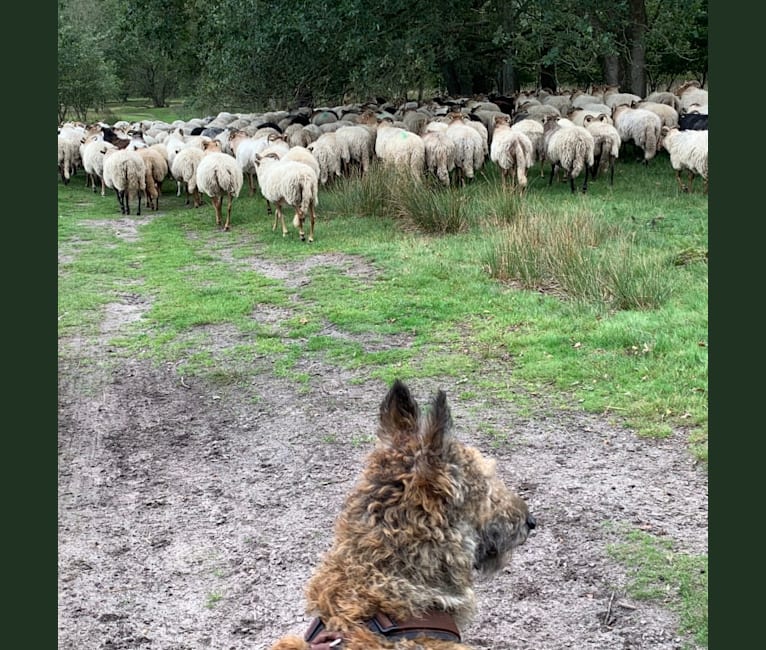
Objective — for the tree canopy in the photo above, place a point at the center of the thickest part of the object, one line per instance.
(258, 54)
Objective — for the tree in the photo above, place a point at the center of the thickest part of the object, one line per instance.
(150, 45)
(85, 79)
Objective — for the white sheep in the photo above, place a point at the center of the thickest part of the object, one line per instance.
(614, 98)
(92, 153)
(534, 131)
(156, 171)
(297, 134)
(469, 146)
(578, 115)
(357, 146)
(125, 173)
(328, 154)
(69, 139)
(292, 183)
(302, 155)
(244, 148)
(690, 93)
(219, 175)
(400, 148)
(568, 147)
(580, 99)
(688, 151)
(606, 147)
(512, 151)
(184, 171)
(639, 126)
(665, 97)
(667, 114)
(440, 154)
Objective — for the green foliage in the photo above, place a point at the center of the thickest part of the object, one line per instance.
(85, 79)
(246, 55)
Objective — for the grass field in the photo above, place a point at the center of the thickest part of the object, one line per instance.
(599, 300)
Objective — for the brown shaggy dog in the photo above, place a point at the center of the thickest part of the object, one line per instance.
(426, 513)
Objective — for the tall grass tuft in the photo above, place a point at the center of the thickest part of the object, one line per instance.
(578, 255)
(430, 208)
(366, 196)
(386, 192)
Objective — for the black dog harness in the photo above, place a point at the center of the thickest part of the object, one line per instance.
(433, 624)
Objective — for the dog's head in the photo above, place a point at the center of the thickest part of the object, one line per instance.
(453, 485)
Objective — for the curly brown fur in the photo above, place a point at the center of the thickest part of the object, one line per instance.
(427, 513)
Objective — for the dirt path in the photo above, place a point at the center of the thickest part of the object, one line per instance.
(190, 516)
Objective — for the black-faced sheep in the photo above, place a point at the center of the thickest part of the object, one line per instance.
(512, 151)
(693, 122)
(292, 183)
(219, 175)
(568, 147)
(125, 173)
(639, 126)
(688, 151)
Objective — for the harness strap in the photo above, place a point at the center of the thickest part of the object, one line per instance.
(433, 624)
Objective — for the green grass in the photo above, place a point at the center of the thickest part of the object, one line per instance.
(676, 580)
(600, 298)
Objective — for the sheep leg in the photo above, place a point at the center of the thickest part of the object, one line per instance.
(120, 201)
(251, 183)
(611, 172)
(227, 225)
(571, 182)
(298, 223)
(280, 215)
(691, 181)
(138, 212)
(217, 208)
(312, 217)
(553, 170)
(585, 184)
(178, 185)
(680, 182)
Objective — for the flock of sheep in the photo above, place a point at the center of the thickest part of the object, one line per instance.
(289, 155)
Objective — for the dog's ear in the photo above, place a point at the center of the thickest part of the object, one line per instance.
(438, 424)
(399, 415)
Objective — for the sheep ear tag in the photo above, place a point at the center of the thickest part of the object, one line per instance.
(404, 135)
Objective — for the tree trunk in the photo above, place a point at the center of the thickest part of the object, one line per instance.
(507, 82)
(637, 36)
(611, 66)
(548, 78)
